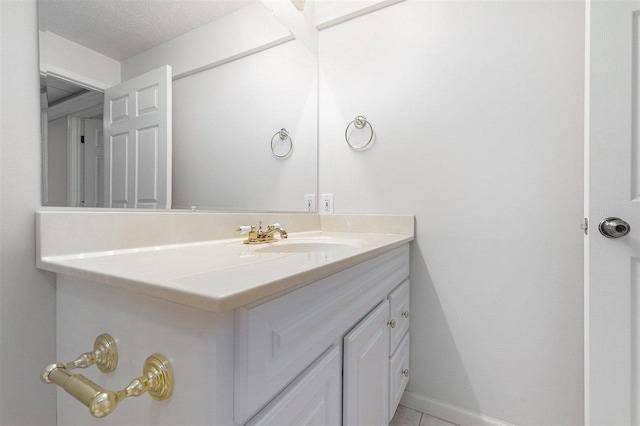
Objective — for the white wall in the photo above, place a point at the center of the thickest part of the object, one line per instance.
(57, 160)
(71, 61)
(477, 108)
(223, 122)
(27, 296)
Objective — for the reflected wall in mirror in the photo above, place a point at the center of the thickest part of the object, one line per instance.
(240, 72)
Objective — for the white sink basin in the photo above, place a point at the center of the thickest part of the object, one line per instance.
(314, 246)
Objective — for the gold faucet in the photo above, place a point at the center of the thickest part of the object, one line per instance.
(258, 236)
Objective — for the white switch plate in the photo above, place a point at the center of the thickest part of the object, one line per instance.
(310, 203)
(326, 204)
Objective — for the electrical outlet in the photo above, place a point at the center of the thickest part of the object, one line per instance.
(310, 203)
(326, 206)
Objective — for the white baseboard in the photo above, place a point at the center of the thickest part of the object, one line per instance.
(450, 413)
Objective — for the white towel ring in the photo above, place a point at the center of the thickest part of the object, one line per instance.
(284, 135)
(359, 122)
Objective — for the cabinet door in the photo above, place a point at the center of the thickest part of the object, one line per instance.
(399, 312)
(313, 399)
(366, 371)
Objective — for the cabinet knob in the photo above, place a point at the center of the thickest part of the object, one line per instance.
(405, 314)
(391, 323)
(405, 372)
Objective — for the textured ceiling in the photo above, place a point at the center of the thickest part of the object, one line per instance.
(123, 28)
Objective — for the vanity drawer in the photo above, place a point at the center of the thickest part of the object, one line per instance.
(277, 340)
(314, 398)
(398, 374)
(399, 312)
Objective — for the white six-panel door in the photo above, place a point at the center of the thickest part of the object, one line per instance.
(137, 127)
(612, 293)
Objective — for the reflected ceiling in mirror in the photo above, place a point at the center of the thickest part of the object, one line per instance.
(122, 29)
(238, 76)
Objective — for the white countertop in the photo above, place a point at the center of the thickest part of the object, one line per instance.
(221, 275)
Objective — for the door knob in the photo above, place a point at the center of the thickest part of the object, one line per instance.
(613, 227)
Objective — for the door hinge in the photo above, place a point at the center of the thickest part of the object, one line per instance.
(585, 226)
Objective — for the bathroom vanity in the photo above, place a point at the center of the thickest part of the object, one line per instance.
(309, 330)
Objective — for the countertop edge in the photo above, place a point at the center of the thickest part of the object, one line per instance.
(206, 302)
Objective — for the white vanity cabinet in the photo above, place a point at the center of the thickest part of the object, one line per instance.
(278, 339)
(323, 354)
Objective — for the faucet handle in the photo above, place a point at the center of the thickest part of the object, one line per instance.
(243, 229)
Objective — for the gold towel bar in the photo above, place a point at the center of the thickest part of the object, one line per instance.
(157, 378)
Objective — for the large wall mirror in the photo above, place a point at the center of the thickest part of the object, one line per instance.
(175, 104)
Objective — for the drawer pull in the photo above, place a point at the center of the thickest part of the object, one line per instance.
(405, 314)
(391, 323)
(405, 372)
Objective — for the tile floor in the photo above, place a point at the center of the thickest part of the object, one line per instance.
(407, 417)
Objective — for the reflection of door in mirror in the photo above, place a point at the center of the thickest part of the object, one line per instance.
(130, 165)
(137, 123)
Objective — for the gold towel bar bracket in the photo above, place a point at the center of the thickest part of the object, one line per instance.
(104, 355)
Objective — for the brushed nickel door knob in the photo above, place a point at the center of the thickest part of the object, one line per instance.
(613, 227)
